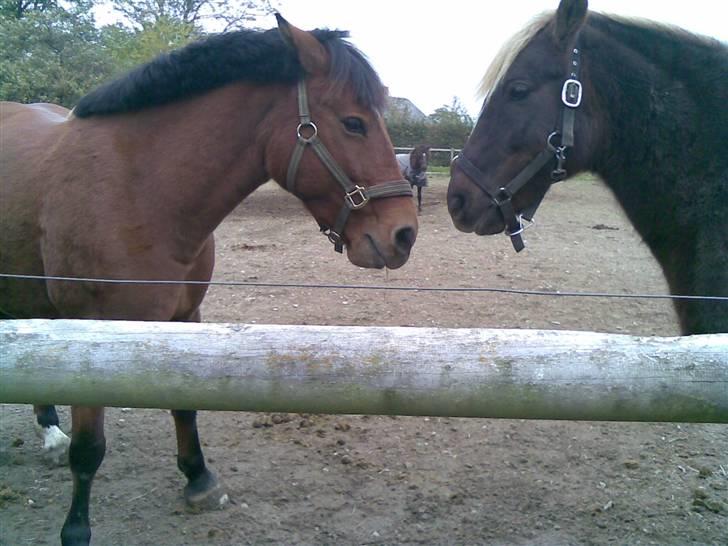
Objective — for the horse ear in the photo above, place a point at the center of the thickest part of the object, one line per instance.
(569, 18)
(311, 53)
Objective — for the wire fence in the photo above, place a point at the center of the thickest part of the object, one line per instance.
(390, 288)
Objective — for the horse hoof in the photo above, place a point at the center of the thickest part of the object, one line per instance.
(205, 494)
(55, 445)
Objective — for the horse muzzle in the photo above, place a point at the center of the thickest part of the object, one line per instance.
(470, 209)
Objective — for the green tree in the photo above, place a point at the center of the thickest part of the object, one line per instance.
(127, 48)
(449, 126)
(222, 14)
(152, 27)
(18, 8)
(48, 52)
(406, 132)
(51, 50)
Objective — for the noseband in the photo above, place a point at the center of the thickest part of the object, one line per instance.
(355, 196)
(502, 196)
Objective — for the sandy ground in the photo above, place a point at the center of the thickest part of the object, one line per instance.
(309, 479)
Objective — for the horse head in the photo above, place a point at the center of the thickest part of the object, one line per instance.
(519, 145)
(419, 158)
(351, 184)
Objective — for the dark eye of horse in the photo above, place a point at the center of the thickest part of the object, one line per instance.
(518, 91)
(355, 125)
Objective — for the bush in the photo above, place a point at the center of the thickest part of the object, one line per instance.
(447, 127)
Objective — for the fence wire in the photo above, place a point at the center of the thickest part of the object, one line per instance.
(389, 288)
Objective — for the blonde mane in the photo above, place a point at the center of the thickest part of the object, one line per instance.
(509, 51)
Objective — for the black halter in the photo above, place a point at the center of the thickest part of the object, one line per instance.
(355, 196)
(571, 95)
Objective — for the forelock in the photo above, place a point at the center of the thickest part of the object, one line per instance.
(509, 51)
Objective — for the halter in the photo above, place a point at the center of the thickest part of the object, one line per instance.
(571, 95)
(355, 196)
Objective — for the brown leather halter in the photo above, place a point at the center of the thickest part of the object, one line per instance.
(355, 196)
(571, 95)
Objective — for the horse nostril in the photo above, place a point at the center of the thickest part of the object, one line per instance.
(404, 239)
(456, 203)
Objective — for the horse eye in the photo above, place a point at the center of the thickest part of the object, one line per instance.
(518, 91)
(355, 125)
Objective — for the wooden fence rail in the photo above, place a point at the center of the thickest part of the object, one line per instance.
(527, 374)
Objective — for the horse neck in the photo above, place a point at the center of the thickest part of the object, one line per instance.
(659, 125)
(201, 157)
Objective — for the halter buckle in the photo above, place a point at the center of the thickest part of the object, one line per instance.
(356, 198)
(571, 93)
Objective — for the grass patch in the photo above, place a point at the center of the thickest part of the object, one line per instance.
(437, 169)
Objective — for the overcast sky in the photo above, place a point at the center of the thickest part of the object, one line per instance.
(430, 52)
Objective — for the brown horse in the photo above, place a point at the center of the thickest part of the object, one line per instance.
(643, 105)
(132, 183)
(413, 167)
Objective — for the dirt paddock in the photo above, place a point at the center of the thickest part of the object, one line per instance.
(311, 479)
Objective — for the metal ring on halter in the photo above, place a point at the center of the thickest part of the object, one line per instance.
(308, 124)
(332, 236)
(524, 223)
(551, 145)
(503, 196)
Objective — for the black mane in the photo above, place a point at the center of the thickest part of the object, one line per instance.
(686, 56)
(246, 55)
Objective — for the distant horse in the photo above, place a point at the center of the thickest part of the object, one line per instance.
(133, 182)
(413, 167)
(643, 105)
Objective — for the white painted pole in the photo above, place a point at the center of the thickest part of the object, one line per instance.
(525, 374)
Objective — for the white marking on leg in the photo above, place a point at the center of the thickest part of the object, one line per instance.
(55, 444)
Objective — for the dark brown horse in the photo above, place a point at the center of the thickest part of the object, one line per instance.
(413, 167)
(643, 105)
(132, 183)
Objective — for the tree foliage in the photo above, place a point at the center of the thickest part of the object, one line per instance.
(52, 51)
(450, 125)
(16, 9)
(128, 48)
(49, 53)
(447, 127)
(404, 130)
(223, 15)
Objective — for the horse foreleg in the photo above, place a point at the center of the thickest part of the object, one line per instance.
(203, 490)
(47, 428)
(86, 452)
(419, 198)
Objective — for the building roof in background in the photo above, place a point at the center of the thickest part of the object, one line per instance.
(405, 108)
